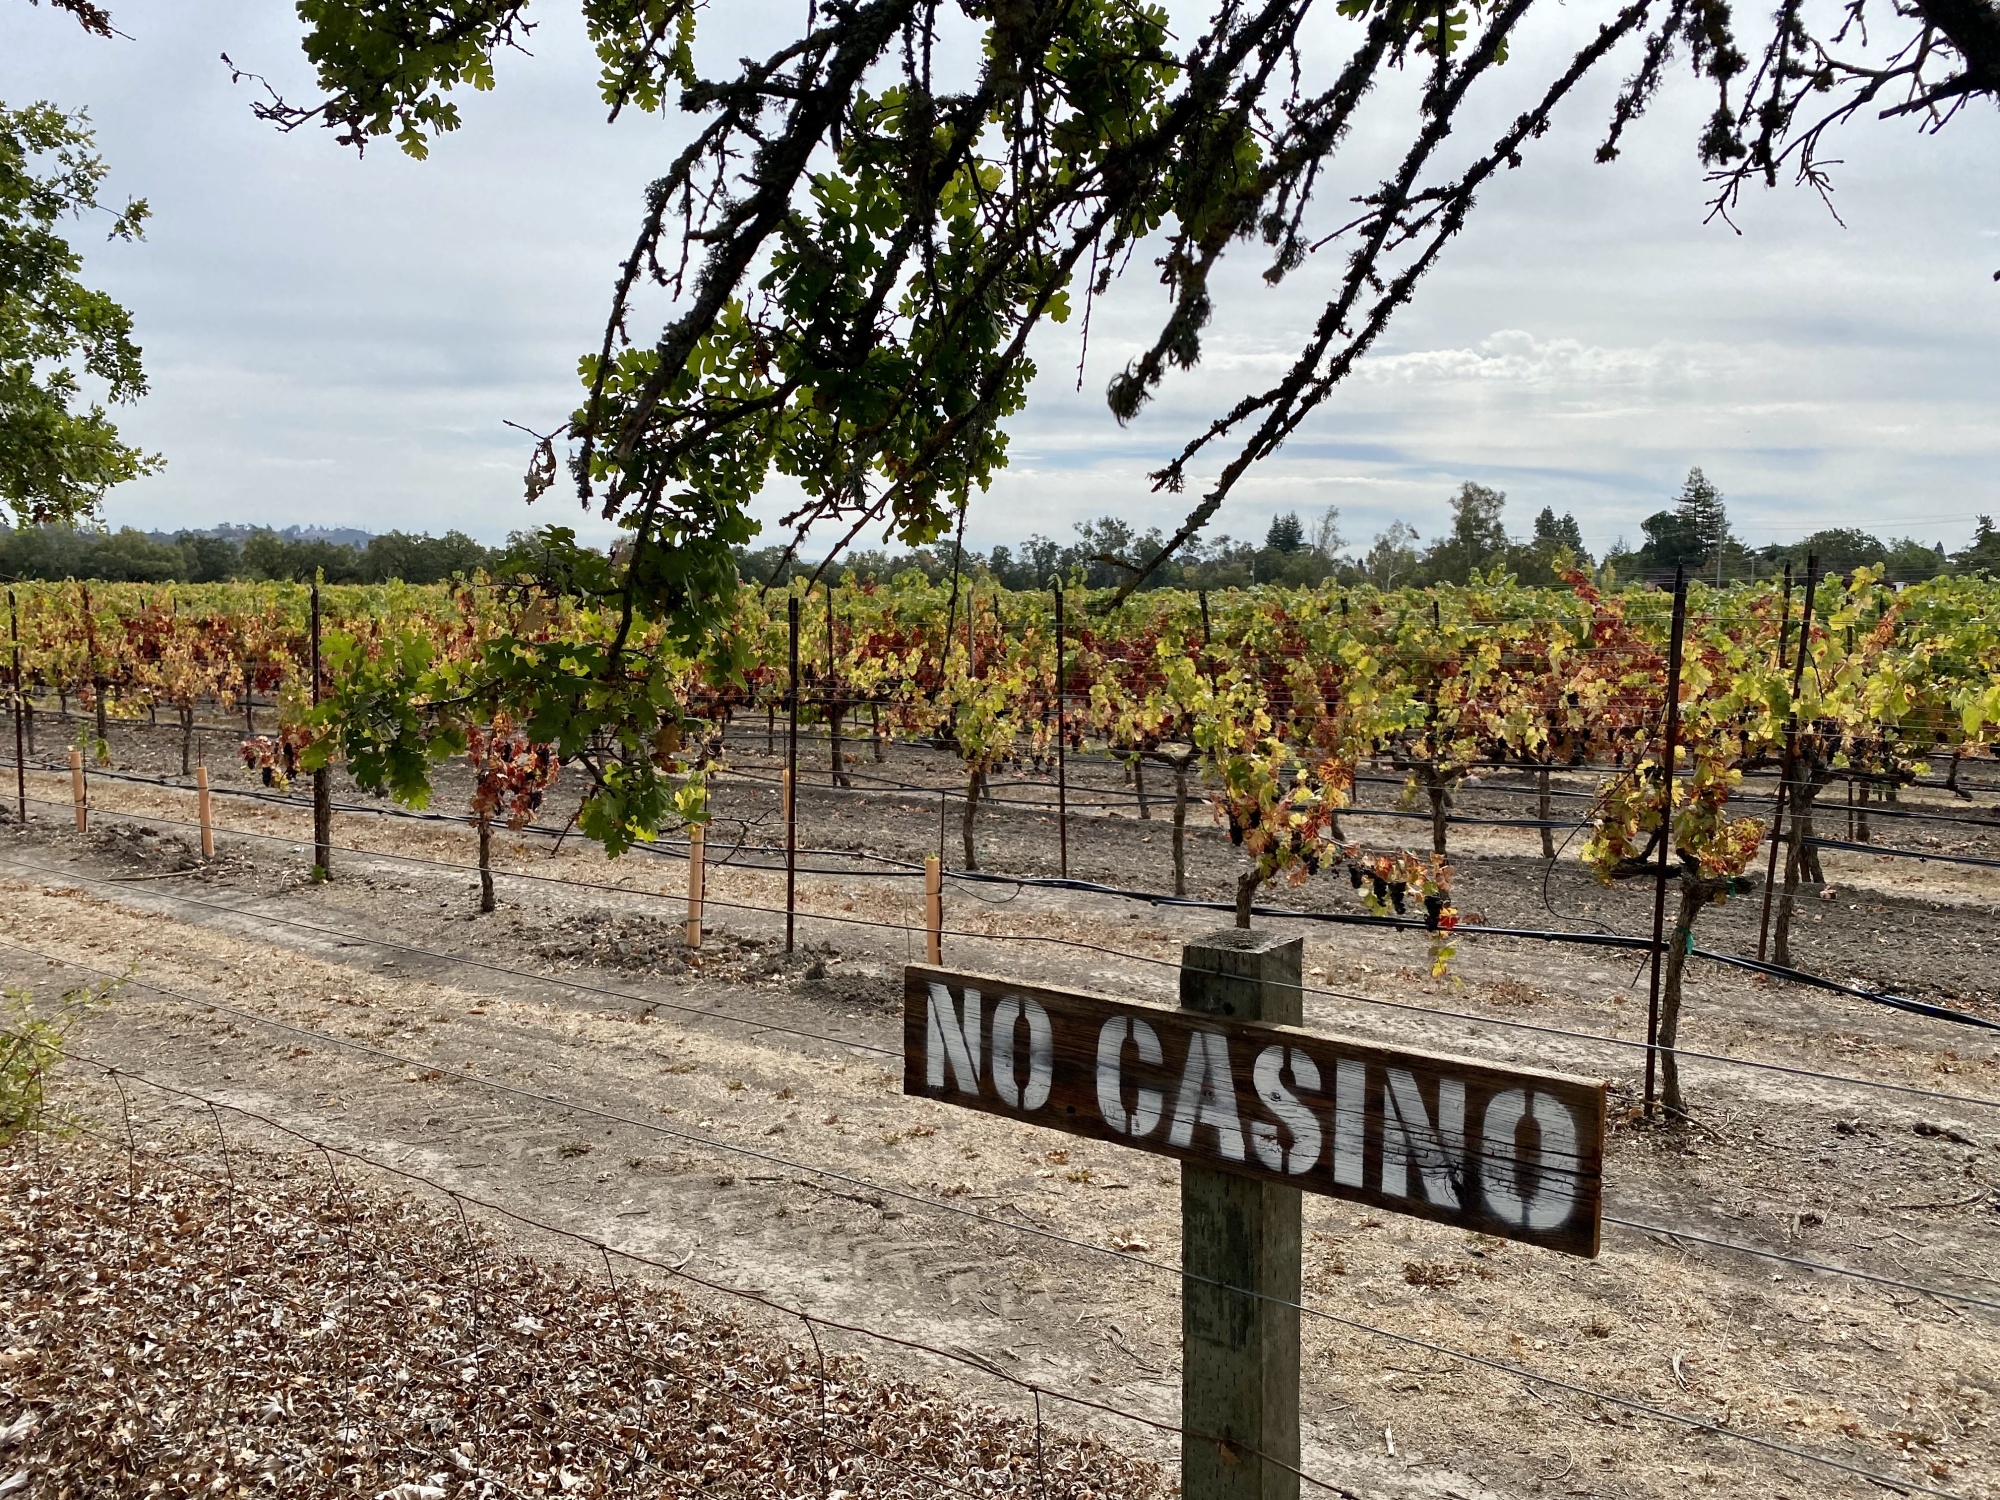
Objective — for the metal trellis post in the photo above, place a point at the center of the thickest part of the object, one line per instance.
(1666, 829)
(20, 712)
(792, 773)
(1062, 748)
(322, 785)
(1791, 739)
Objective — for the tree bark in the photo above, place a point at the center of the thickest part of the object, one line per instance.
(834, 714)
(1180, 828)
(1246, 892)
(1805, 786)
(485, 864)
(1542, 813)
(1139, 785)
(1695, 894)
(1861, 835)
(972, 789)
(1973, 27)
(1440, 796)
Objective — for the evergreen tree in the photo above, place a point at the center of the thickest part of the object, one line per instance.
(1704, 518)
(1984, 553)
(1286, 533)
(1555, 533)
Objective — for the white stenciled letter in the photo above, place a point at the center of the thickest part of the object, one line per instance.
(1350, 1121)
(1146, 1103)
(948, 1038)
(1282, 1102)
(1410, 1139)
(1208, 1096)
(1007, 1017)
(1548, 1204)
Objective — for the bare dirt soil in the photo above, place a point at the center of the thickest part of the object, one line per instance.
(742, 1107)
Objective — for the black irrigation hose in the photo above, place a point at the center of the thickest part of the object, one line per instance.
(1581, 939)
(904, 868)
(659, 848)
(1890, 851)
(1528, 1026)
(1880, 997)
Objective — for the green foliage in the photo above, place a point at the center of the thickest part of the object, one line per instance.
(131, 556)
(1984, 553)
(31, 1047)
(1477, 540)
(283, 559)
(1286, 534)
(59, 453)
(856, 256)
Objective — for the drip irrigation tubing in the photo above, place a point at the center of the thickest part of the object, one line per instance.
(1890, 851)
(1073, 943)
(905, 868)
(1637, 1225)
(1408, 1340)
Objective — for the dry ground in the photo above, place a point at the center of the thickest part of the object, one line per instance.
(743, 1109)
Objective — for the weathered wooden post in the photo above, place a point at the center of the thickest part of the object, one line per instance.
(207, 820)
(1239, 1239)
(76, 790)
(697, 885)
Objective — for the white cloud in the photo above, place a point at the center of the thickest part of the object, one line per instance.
(340, 340)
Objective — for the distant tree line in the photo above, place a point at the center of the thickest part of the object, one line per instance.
(132, 556)
(1693, 533)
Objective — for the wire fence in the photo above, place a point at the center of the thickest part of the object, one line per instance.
(768, 1157)
(913, 932)
(216, 1107)
(890, 867)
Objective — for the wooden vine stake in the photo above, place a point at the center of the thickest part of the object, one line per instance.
(76, 790)
(697, 878)
(207, 820)
(933, 909)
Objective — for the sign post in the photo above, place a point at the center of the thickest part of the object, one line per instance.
(1258, 1110)
(1239, 1239)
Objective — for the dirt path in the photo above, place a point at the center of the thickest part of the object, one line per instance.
(791, 1162)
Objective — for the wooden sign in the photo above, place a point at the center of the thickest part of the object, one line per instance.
(1511, 1152)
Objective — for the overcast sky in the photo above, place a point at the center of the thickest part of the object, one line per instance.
(338, 341)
